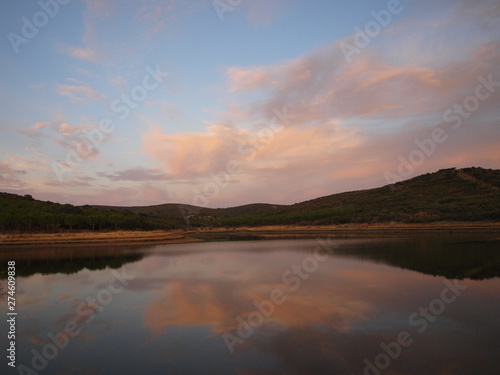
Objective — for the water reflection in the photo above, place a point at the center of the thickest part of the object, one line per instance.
(172, 316)
(47, 261)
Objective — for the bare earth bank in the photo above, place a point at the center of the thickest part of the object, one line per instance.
(196, 235)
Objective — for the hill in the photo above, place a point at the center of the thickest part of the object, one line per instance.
(470, 194)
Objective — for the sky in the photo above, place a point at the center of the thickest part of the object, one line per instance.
(230, 102)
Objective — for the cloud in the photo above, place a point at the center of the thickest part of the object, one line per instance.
(75, 143)
(66, 129)
(135, 174)
(40, 125)
(486, 13)
(262, 13)
(101, 9)
(19, 175)
(249, 79)
(83, 71)
(78, 94)
(38, 130)
(156, 16)
(130, 195)
(321, 84)
(119, 82)
(188, 154)
(75, 81)
(352, 121)
(80, 53)
(106, 45)
(75, 183)
(307, 151)
(91, 49)
(34, 131)
(9, 177)
(165, 16)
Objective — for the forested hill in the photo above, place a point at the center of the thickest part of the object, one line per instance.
(470, 194)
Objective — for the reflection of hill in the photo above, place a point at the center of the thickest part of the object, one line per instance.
(453, 258)
(473, 256)
(457, 256)
(65, 261)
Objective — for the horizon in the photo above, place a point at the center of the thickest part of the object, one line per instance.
(158, 102)
(254, 203)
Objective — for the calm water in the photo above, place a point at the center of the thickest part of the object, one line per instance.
(260, 307)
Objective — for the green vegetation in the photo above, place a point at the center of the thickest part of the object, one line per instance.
(23, 213)
(470, 194)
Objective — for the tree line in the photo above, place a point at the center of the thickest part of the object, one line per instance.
(25, 214)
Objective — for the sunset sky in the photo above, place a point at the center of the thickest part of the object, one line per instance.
(272, 101)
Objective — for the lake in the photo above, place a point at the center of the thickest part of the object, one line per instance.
(420, 304)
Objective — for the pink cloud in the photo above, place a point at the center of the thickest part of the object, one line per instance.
(34, 131)
(81, 53)
(351, 121)
(78, 94)
(351, 124)
(190, 154)
(40, 125)
(322, 84)
(101, 8)
(133, 195)
(9, 177)
(135, 174)
(66, 129)
(247, 79)
(262, 13)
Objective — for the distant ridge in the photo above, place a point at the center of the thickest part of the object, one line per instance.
(470, 194)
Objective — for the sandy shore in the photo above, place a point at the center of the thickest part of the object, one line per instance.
(196, 235)
(94, 238)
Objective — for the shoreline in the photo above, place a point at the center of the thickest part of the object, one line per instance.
(122, 238)
(110, 238)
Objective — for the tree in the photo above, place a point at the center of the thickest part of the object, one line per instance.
(71, 221)
(117, 219)
(46, 219)
(5, 221)
(91, 220)
(132, 221)
(28, 220)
